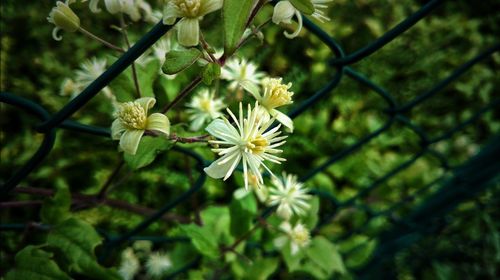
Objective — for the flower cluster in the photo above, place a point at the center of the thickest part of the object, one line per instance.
(248, 136)
(156, 263)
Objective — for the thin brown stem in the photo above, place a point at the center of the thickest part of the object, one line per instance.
(244, 237)
(102, 41)
(182, 94)
(94, 200)
(14, 204)
(206, 47)
(193, 139)
(134, 70)
(104, 189)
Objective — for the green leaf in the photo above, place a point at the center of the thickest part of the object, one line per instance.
(293, 262)
(242, 213)
(261, 269)
(56, 209)
(178, 60)
(123, 86)
(211, 72)
(216, 220)
(312, 213)
(148, 149)
(203, 240)
(77, 240)
(304, 6)
(235, 14)
(34, 263)
(325, 255)
(146, 76)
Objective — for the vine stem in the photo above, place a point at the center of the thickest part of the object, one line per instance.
(102, 41)
(205, 46)
(123, 30)
(193, 139)
(93, 199)
(102, 193)
(182, 94)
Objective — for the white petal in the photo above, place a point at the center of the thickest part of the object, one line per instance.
(296, 33)
(252, 88)
(158, 122)
(188, 32)
(209, 6)
(170, 13)
(282, 118)
(146, 103)
(117, 129)
(130, 140)
(223, 130)
(217, 171)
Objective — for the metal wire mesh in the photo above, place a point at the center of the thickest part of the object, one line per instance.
(454, 186)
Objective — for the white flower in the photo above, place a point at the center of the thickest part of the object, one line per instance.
(191, 11)
(132, 8)
(89, 71)
(250, 141)
(129, 265)
(204, 107)
(239, 70)
(290, 196)
(284, 12)
(69, 88)
(157, 264)
(132, 121)
(63, 18)
(298, 236)
(275, 94)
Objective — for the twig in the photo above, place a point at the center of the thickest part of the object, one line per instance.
(182, 94)
(13, 204)
(134, 71)
(107, 184)
(93, 199)
(205, 46)
(102, 41)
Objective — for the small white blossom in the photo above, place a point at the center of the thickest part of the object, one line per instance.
(298, 236)
(129, 265)
(274, 94)
(89, 71)
(132, 121)
(284, 12)
(135, 9)
(250, 142)
(157, 264)
(204, 107)
(191, 12)
(290, 196)
(238, 70)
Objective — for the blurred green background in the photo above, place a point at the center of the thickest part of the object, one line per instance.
(33, 65)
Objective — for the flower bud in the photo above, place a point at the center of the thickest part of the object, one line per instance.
(283, 12)
(64, 18)
(114, 6)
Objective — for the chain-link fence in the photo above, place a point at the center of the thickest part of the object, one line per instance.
(457, 184)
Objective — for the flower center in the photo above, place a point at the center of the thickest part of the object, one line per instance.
(132, 115)
(300, 236)
(257, 145)
(205, 105)
(189, 8)
(276, 94)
